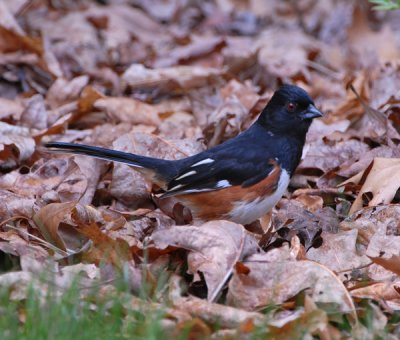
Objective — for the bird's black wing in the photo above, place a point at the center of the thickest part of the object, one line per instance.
(214, 170)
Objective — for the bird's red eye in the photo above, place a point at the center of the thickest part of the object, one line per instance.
(291, 107)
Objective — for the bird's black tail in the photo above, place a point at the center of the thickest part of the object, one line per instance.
(163, 169)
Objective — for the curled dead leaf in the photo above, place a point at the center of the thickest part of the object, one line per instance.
(49, 220)
(215, 248)
(381, 178)
(339, 252)
(275, 282)
(128, 110)
(15, 145)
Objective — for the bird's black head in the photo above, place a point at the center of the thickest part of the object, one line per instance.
(290, 111)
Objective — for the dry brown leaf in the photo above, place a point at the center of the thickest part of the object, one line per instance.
(15, 205)
(215, 248)
(225, 316)
(382, 180)
(369, 220)
(125, 21)
(48, 221)
(198, 47)
(72, 38)
(128, 110)
(35, 114)
(377, 236)
(385, 88)
(42, 179)
(17, 241)
(104, 248)
(7, 19)
(326, 155)
(15, 145)
(185, 77)
(285, 60)
(180, 125)
(275, 282)
(351, 168)
(293, 219)
(11, 41)
(10, 108)
(387, 291)
(385, 241)
(371, 46)
(392, 263)
(305, 323)
(64, 91)
(338, 252)
(88, 97)
(311, 202)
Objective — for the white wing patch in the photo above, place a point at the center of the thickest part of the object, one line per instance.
(223, 184)
(219, 185)
(204, 161)
(190, 173)
(176, 187)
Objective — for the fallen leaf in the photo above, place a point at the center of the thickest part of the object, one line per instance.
(310, 202)
(293, 219)
(215, 247)
(370, 219)
(128, 110)
(306, 323)
(225, 316)
(16, 205)
(104, 249)
(362, 38)
(64, 91)
(276, 282)
(284, 61)
(185, 77)
(15, 145)
(388, 291)
(10, 108)
(11, 41)
(199, 46)
(35, 114)
(339, 252)
(72, 38)
(326, 155)
(381, 179)
(48, 220)
(392, 263)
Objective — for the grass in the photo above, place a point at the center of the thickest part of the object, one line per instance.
(386, 5)
(69, 316)
(47, 314)
(98, 313)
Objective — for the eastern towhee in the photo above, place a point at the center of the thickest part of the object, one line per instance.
(239, 180)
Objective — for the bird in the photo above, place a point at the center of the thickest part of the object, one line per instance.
(238, 180)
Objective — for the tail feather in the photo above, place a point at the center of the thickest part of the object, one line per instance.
(161, 169)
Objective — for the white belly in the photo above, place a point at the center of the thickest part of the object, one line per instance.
(247, 212)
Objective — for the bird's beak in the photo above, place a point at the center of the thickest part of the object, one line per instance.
(311, 112)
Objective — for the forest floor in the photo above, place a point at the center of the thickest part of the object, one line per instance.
(85, 251)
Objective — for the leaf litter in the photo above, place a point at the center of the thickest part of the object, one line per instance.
(169, 80)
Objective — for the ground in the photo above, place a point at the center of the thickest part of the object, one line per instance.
(83, 246)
